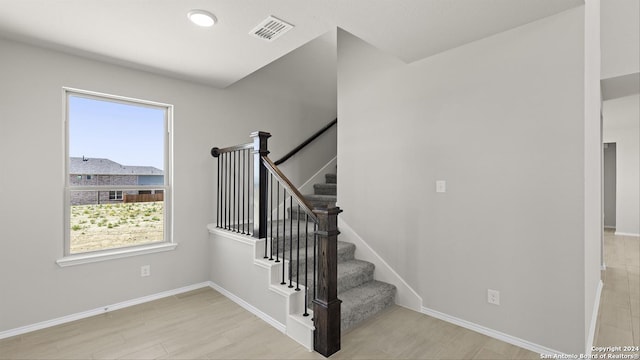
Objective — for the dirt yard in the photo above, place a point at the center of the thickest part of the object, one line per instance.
(107, 226)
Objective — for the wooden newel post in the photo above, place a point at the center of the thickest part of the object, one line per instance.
(259, 184)
(326, 305)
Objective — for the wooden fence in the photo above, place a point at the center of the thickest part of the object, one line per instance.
(128, 198)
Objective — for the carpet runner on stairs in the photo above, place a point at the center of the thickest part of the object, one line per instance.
(361, 295)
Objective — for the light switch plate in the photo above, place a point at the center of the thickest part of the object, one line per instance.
(441, 186)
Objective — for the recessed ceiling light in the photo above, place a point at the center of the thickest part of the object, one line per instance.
(202, 18)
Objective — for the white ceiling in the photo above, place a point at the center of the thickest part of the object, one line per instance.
(155, 35)
(620, 86)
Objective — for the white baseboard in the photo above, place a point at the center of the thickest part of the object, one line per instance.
(121, 305)
(594, 319)
(250, 308)
(493, 333)
(618, 233)
(101, 310)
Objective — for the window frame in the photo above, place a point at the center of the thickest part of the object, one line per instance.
(115, 195)
(118, 252)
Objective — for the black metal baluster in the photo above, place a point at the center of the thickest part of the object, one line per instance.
(229, 192)
(266, 238)
(291, 242)
(239, 159)
(278, 222)
(218, 198)
(248, 181)
(315, 255)
(244, 180)
(271, 217)
(229, 164)
(284, 236)
(233, 210)
(226, 192)
(221, 198)
(240, 179)
(306, 266)
(224, 188)
(298, 253)
(251, 194)
(240, 187)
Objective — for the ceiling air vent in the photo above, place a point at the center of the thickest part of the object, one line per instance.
(270, 29)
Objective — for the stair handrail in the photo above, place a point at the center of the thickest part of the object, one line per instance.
(215, 152)
(246, 169)
(293, 191)
(326, 305)
(306, 142)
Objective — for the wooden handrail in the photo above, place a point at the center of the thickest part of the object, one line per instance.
(297, 196)
(247, 170)
(215, 152)
(306, 142)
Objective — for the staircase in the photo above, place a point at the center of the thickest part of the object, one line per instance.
(265, 226)
(361, 295)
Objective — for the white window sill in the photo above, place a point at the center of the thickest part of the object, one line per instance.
(87, 258)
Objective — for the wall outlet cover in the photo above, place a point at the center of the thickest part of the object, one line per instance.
(493, 297)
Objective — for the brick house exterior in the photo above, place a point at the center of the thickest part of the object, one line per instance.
(99, 171)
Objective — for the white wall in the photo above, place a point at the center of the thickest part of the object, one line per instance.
(592, 159)
(622, 126)
(489, 118)
(303, 86)
(33, 287)
(620, 37)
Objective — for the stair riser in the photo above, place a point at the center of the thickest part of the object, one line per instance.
(325, 189)
(321, 204)
(344, 254)
(346, 281)
(352, 317)
(351, 280)
(331, 178)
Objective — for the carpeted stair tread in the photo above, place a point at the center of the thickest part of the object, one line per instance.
(363, 301)
(353, 273)
(361, 295)
(325, 189)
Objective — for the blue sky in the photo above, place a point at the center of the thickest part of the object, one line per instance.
(126, 134)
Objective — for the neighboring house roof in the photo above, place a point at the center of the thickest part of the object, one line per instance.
(98, 166)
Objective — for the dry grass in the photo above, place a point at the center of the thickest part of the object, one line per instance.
(107, 226)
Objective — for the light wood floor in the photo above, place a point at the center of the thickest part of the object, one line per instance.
(619, 317)
(203, 324)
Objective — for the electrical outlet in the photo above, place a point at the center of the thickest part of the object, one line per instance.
(145, 270)
(493, 296)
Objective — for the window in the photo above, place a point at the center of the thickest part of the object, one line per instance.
(125, 144)
(115, 195)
